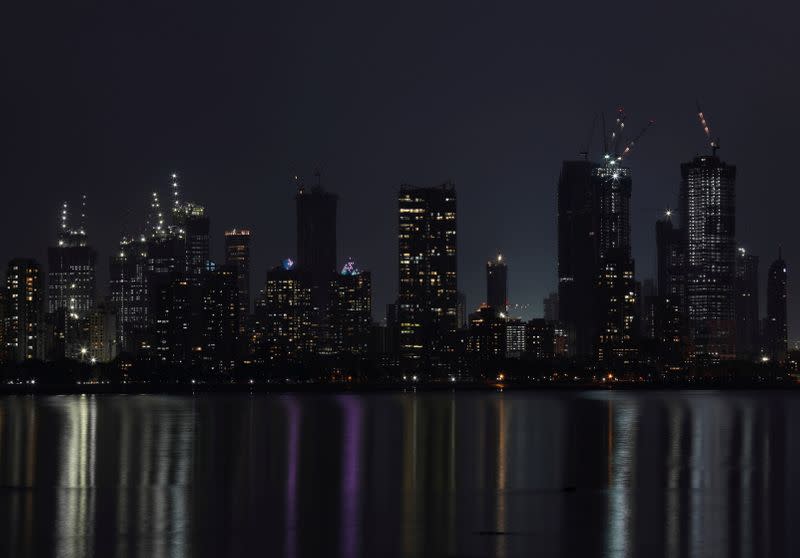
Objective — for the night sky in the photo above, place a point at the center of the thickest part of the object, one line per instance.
(108, 99)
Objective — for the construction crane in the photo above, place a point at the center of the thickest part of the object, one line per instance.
(712, 143)
(614, 155)
(631, 143)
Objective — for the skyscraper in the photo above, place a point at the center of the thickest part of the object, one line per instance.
(746, 305)
(351, 310)
(287, 308)
(237, 253)
(24, 309)
(316, 254)
(191, 222)
(220, 319)
(776, 332)
(428, 296)
(497, 284)
(578, 237)
(103, 334)
(316, 231)
(129, 292)
(550, 306)
(71, 268)
(669, 311)
(708, 213)
(616, 301)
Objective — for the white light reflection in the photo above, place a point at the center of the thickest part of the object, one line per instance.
(623, 428)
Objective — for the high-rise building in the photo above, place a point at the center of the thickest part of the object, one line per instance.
(487, 333)
(237, 253)
(178, 328)
(746, 306)
(194, 225)
(540, 339)
(23, 309)
(316, 232)
(428, 295)
(515, 338)
(221, 312)
(462, 315)
(287, 307)
(316, 254)
(668, 312)
(351, 311)
(775, 330)
(578, 237)
(71, 268)
(191, 222)
(550, 306)
(616, 300)
(129, 292)
(497, 284)
(103, 335)
(709, 222)
(670, 259)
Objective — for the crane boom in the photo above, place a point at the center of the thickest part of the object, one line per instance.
(712, 143)
(631, 143)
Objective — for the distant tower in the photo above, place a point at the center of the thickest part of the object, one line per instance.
(24, 309)
(578, 235)
(746, 305)
(71, 268)
(192, 222)
(287, 314)
(428, 299)
(616, 301)
(708, 213)
(237, 253)
(316, 230)
(669, 315)
(129, 292)
(776, 333)
(351, 310)
(497, 284)
(551, 307)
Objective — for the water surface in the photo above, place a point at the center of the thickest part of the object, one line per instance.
(521, 473)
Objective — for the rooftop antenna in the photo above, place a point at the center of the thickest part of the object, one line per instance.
(605, 137)
(712, 143)
(318, 176)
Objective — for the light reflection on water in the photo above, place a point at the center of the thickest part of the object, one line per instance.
(446, 474)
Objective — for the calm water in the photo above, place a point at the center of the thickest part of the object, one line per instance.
(467, 474)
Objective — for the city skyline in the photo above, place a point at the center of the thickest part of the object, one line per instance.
(120, 109)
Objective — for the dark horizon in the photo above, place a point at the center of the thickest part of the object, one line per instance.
(108, 102)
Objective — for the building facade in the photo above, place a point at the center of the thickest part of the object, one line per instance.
(428, 297)
(776, 329)
(24, 312)
(237, 253)
(578, 238)
(748, 340)
(616, 297)
(497, 284)
(709, 225)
